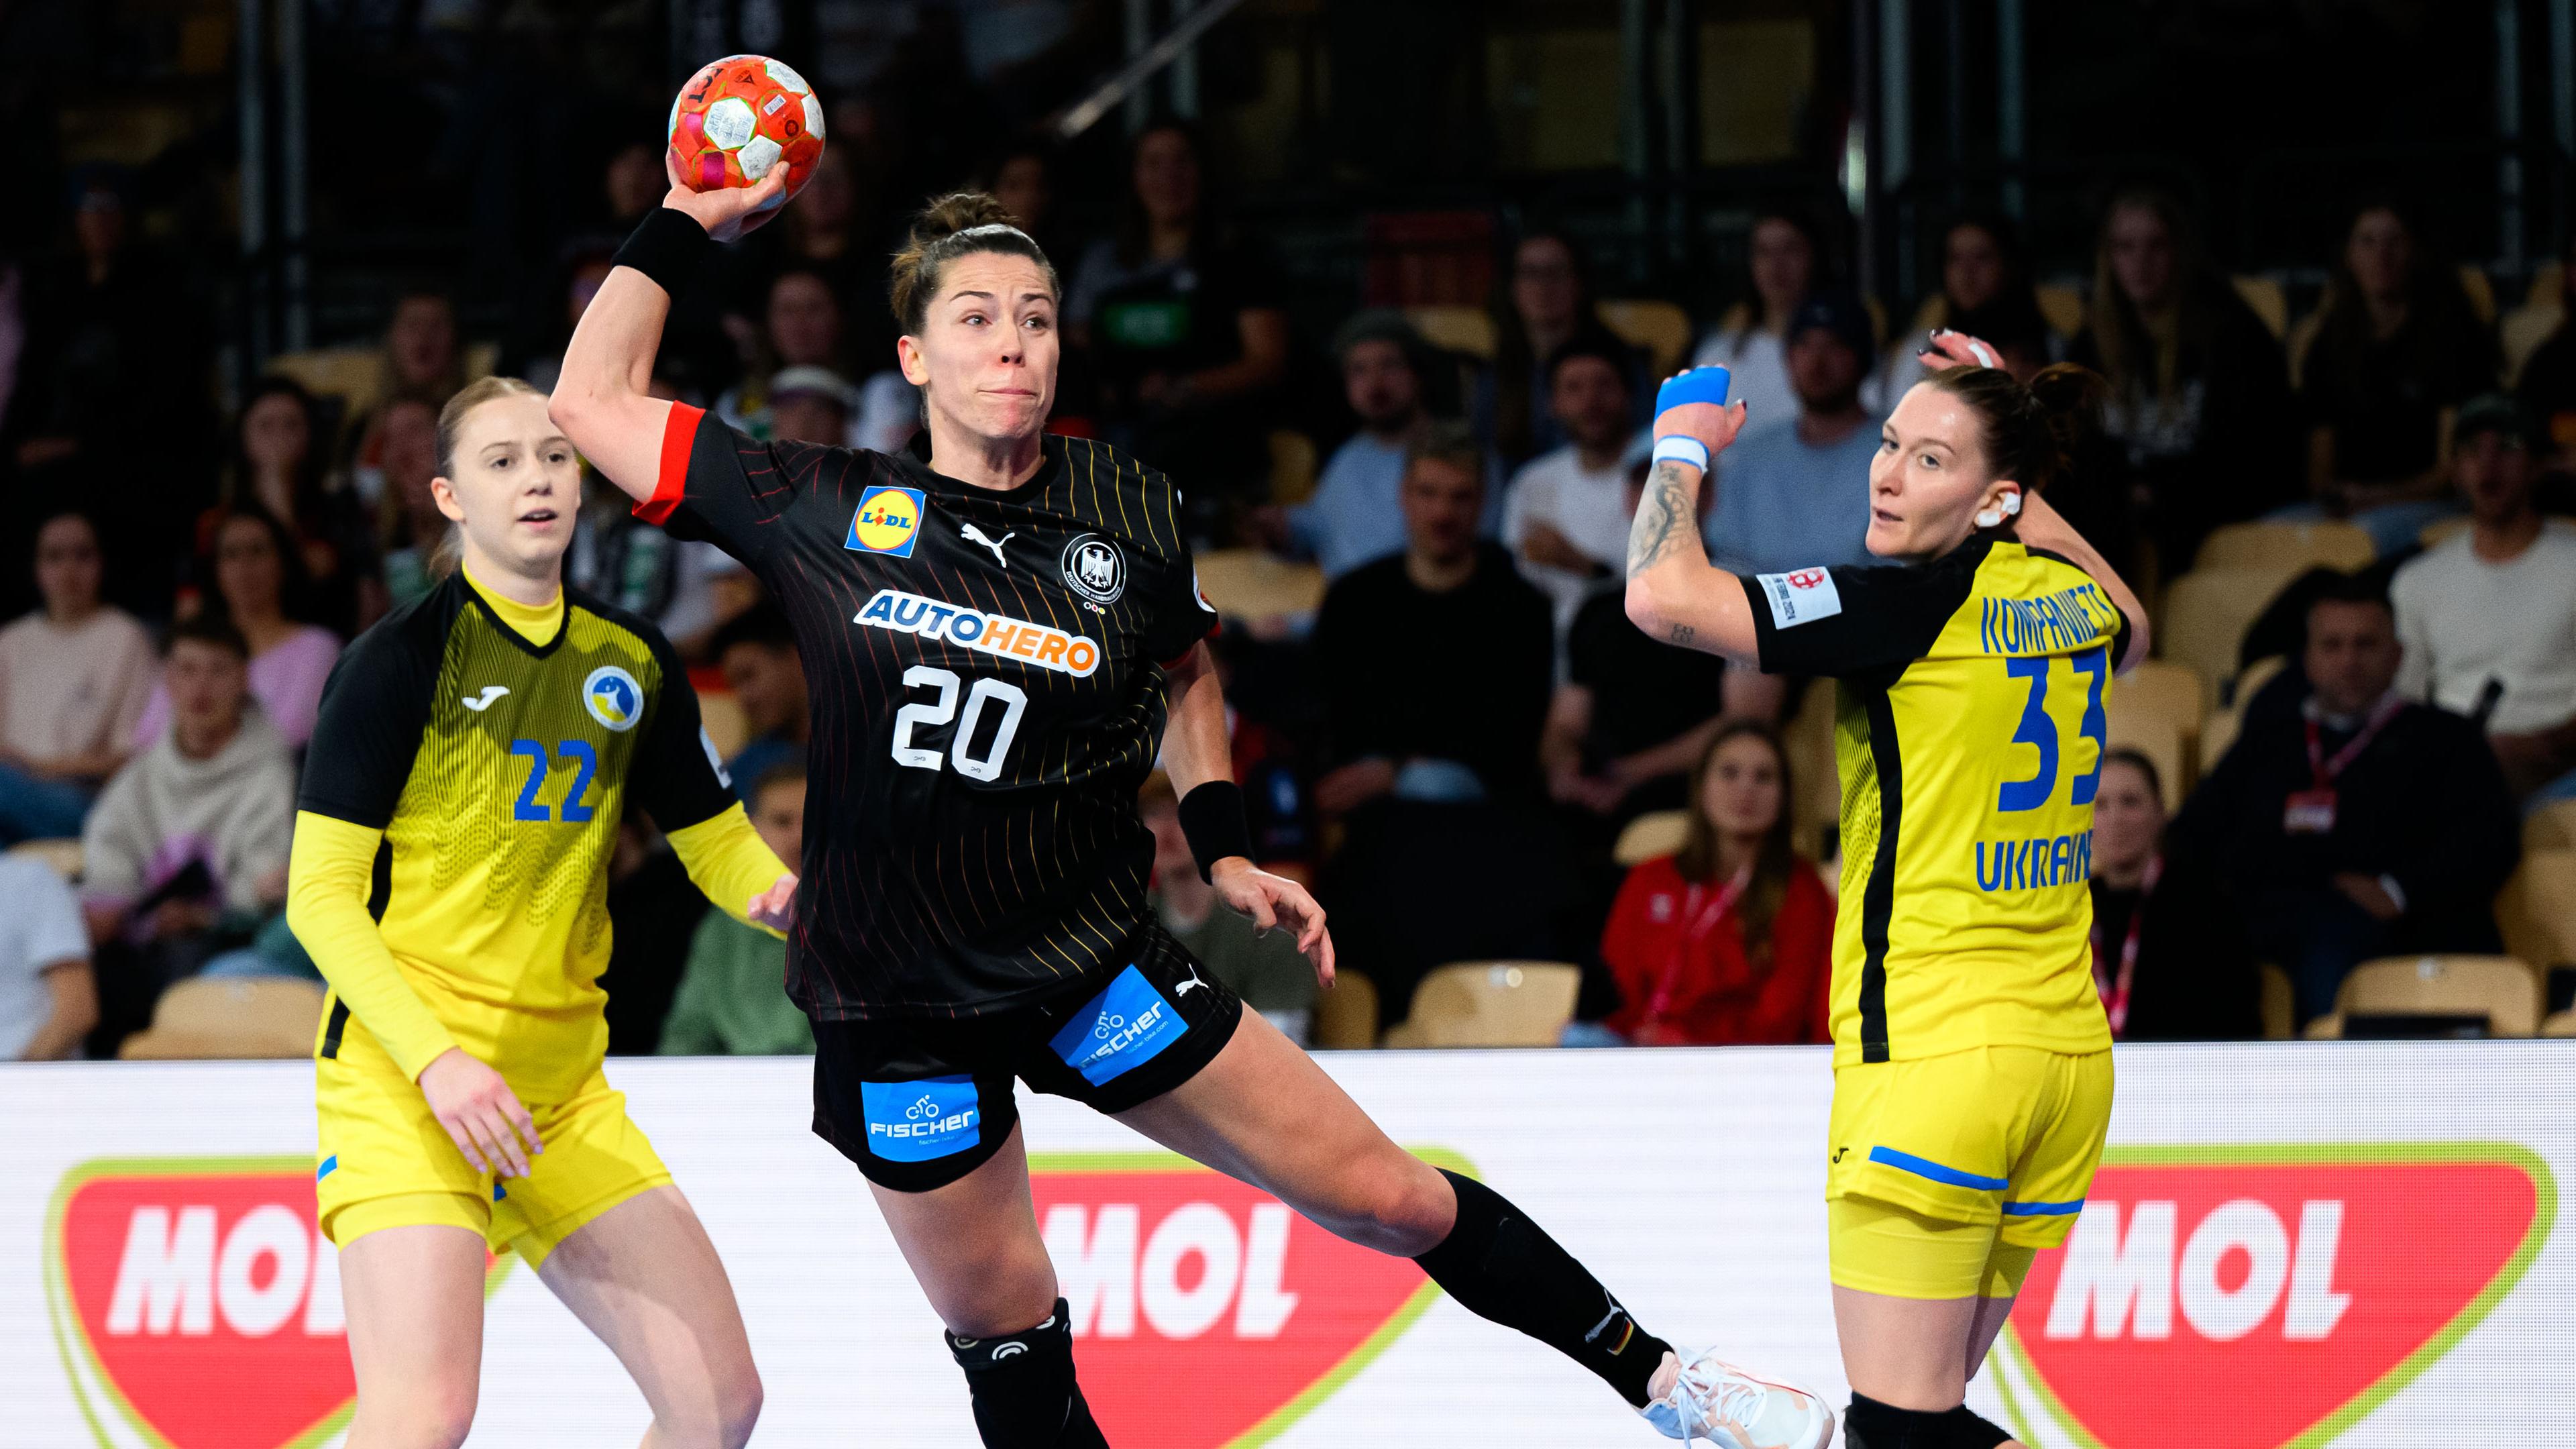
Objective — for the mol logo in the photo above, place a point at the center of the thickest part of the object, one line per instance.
(2294, 1289)
(1177, 1275)
(197, 1305)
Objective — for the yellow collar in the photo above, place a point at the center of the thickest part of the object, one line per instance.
(536, 623)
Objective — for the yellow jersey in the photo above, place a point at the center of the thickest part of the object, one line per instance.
(482, 769)
(1968, 734)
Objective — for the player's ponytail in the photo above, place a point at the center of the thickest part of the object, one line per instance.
(959, 224)
(2033, 433)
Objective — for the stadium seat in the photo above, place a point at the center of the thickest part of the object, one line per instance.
(63, 855)
(720, 714)
(1661, 328)
(2218, 731)
(2536, 910)
(2269, 302)
(2279, 1003)
(2503, 989)
(2207, 612)
(1491, 1004)
(2548, 286)
(2157, 689)
(2158, 738)
(1658, 833)
(231, 1017)
(2559, 1023)
(2480, 292)
(355, 375)
(2063, 307)
(2524, 329)
(2331, 544)
(2441, 530)
(2551, 827)
(1292, 466)
(1245, 583)
(1346, 1013)
(1459, 329)
(2303, 335)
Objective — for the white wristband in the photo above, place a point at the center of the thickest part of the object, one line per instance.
(1679, 449)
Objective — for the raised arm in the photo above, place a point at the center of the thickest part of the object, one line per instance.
(2043, 527)
(1674, 593)
(603, 400)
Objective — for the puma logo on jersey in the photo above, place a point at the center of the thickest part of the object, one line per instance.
(972, 534)
(485, 700)
(1186, 987)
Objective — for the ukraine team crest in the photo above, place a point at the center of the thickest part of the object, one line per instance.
(615, 699)
(888, 521)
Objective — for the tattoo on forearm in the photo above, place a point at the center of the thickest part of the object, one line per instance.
(1665, 517)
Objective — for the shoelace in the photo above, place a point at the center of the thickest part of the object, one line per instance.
(1713, 1396)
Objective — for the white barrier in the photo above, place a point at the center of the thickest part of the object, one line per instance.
(2290, 1244)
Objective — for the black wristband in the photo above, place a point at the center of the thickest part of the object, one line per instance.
(667, 247)
(1213, 819)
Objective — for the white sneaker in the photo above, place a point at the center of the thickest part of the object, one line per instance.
(1714, 1400)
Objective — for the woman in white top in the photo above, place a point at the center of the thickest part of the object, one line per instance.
(1783, 262)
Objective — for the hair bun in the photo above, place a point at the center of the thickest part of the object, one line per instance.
(958, 211)
(952, 226)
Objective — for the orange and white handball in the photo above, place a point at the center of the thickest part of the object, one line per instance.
(740, 116)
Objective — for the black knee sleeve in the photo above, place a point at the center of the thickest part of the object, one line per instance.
(1501, 1266)
(1024, 1389)
(1869, 1424)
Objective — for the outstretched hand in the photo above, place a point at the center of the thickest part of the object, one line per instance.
(1274, 901)
(776, 906)
(728, 212)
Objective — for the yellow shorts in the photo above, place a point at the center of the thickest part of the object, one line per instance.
(384, 1162)
(1947, 1173)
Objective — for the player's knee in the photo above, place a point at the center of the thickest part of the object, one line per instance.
(737, 1407)
(1399, 1206)
(421, 1415)
(1002, 1294)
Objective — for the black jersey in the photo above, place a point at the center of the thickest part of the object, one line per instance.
(986, 703)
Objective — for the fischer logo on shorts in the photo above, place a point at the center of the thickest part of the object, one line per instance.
(2294, 1288)
(888, 521)
(1174, 1274)
(997, 634)
(921, 1120)
(1801, 596)
(197, 1304)
(1121, 1029)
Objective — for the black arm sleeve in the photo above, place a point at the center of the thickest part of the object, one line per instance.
(374, 708)
(676, 776)
(1844, 623)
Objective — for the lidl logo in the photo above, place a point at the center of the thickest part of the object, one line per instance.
(1181, 1279)
(2292, 1289)
(888, 521)
(197, 1304)
(614, 698)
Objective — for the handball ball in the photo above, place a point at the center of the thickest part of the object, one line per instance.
(741, 116)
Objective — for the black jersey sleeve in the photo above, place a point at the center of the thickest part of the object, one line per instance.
(374, 707)
(1181, 614)
(676, 776)
(718, 484)
(1844, 623)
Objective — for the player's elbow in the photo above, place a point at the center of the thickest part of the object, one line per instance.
(573, 406)
(1648, 609)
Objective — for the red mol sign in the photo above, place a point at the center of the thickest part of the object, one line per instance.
(2293, 1289)
(1177, 1275)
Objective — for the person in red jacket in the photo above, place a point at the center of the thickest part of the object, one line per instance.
(1729, 941)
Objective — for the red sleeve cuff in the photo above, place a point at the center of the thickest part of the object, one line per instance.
(679, 435)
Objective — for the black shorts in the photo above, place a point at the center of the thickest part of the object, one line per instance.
(919, 1102)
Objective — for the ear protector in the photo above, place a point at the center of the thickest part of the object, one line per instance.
(2005, 507)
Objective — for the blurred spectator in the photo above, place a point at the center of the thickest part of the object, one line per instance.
(653, 917)
(187, 847)
(819, 235)
(277, 467)
(1435, 661)
(802, 328)
(254, 565)
(732, 998)
(1782, 259)
(1985, 292)
(2349, 822)
(422, 357)
(1185, 329)
(581, 278)
(2398, 349)
(1567, 517)
(1548, 303)
(74, 677)
(1266, 970)
(409, 528)
(633, 183)
(2199, 391)
(2487, 618)
(811, 405)
(1794, 492)
(2547, 386)
(2169, 955)
(757, 652)
(48, 995)
(1730, 941)
(1353, 517)
(1023, 180)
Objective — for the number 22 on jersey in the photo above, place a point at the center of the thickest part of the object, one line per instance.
(938, 713)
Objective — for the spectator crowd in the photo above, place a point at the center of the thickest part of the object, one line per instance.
(189, 586)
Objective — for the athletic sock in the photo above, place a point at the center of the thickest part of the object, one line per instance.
(1501, 1266)
(1869, 1424)
(1024, 1389)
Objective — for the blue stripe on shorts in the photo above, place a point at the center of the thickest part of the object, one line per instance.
(2042, 1209)
(1926, 1167)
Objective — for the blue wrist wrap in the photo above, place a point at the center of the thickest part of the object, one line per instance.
(1698, 385)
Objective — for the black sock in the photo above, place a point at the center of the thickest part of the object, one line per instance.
(1869, 1424)
(1501, 1266)
(1024, 1390)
